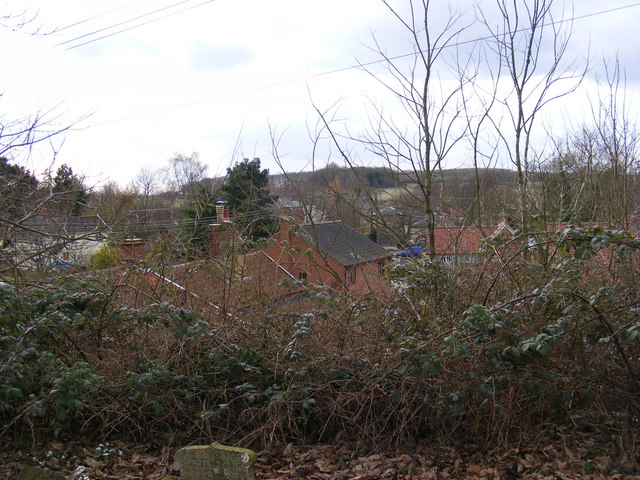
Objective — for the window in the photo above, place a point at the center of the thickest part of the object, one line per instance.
(350, 275)
(302, 276)
(381, 268)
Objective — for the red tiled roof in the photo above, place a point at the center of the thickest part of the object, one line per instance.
(455, 240)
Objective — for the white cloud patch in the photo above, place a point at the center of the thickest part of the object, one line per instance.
(215, 58)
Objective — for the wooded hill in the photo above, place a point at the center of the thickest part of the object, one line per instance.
(383, 177)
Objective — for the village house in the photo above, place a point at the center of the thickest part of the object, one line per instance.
(462, 244)
(56, 241)
(331, 254)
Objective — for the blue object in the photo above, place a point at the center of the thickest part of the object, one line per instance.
(411, 251)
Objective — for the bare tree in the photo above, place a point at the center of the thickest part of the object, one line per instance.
(112, 202)
(618, 140)
(32, 234)
(441, 89)
(593, 174)
(20, 135)
(429, 93)
(145, 184)
(184, 172)
(531, 46)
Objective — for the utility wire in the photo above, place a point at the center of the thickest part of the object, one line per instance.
(139, 25)
(129, 21)
(80, 22)
(161, 225)
(359, 66)
(602, 12)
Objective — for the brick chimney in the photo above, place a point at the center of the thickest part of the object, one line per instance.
(220, 234)
(222, 212)
(132, 250)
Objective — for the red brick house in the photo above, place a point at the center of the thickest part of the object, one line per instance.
(462, 244)
(331, 254)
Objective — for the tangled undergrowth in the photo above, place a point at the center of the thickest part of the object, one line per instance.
(498, 352)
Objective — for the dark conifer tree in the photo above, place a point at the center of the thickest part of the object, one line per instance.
(246, 190)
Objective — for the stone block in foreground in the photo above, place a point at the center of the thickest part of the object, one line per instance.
(215, 462)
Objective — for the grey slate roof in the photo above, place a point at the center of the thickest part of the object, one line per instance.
(343, 243)
(62, 225)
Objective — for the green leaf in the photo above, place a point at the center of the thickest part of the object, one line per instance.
(431, 368)
(13, 392)
(60, 411)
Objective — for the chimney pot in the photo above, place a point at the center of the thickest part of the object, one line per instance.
(222, 211)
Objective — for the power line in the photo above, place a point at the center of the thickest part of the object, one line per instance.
(602, 12)
(343, 69)
(107, 12)
(158, 225)
(133, 26)
(133, 19)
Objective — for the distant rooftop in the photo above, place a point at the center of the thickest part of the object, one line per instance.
(64, 225)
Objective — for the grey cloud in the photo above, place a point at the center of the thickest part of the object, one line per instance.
(215, 58)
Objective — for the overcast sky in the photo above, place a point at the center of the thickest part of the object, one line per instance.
(215, 77)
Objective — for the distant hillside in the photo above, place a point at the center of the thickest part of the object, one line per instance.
(381, 177)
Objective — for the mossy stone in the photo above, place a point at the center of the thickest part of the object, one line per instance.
(215, 462)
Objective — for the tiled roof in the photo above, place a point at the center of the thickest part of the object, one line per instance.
(64, 225)
(343, 243)
(455, 240)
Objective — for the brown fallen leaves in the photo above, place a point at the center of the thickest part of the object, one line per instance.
(435, 462)
(108, 461)
(566, 458)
